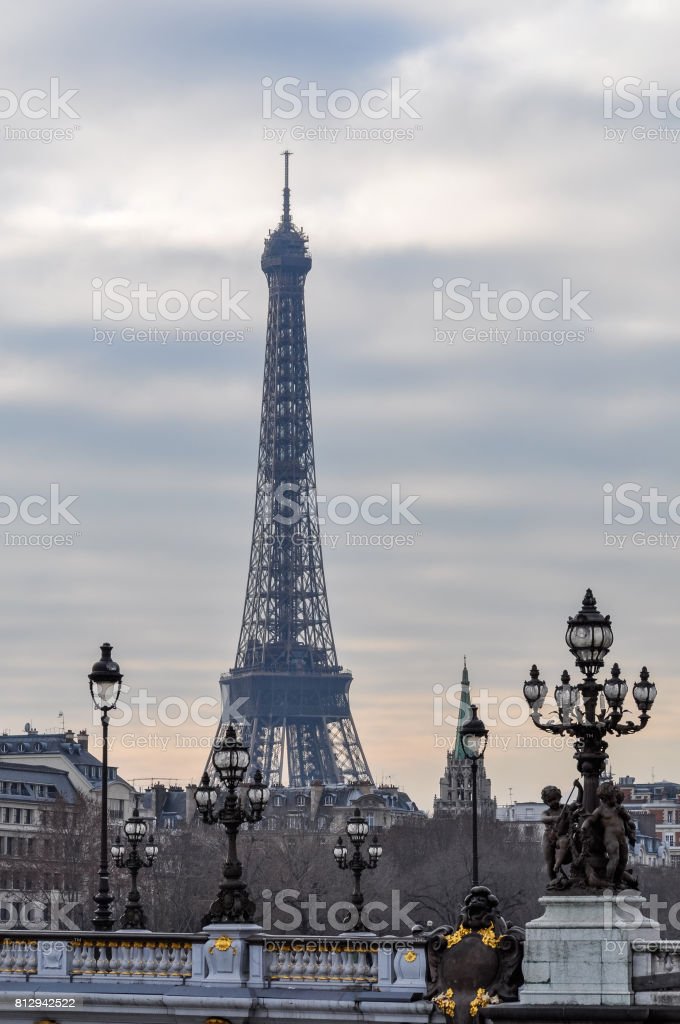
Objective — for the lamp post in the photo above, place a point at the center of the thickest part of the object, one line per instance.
(105, 682)
(590, 710)
(231, 760)
(135, 829)
(474, 736)
(357, 831)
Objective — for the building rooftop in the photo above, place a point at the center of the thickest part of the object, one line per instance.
(32, 743)
(28, 777)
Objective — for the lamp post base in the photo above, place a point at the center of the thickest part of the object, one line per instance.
(232, 906)
(102, 920)
(580, 952)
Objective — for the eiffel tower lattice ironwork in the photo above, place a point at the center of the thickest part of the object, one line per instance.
(290, 693)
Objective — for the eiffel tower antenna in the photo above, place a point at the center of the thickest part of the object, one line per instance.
(286, 190)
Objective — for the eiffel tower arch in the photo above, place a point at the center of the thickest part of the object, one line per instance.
(291, 694)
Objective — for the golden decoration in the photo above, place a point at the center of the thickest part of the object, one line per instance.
(446, 1003)
(487, 935)
(481, 999)
(410, 956)
(223, 943)
(453, 940)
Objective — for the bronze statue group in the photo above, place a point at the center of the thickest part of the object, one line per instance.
(594, 846)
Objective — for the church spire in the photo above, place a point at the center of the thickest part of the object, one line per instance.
(464, 712)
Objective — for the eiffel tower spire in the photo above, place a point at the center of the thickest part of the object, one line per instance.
(286, 681)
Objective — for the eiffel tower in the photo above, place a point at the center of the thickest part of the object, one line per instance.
(291, 695)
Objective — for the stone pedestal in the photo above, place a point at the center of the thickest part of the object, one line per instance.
(227, 958)
(580, 950)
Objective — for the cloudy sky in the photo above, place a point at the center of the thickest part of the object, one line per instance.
(508, 158)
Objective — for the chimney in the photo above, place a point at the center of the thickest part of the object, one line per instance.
(315, 793)
(69, 736)
(159, 794)
(82, 739)
(190, 804)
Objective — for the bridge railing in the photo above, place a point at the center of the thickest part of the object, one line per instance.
(82, 957)
(220, 956)
(362, 962)
(656, 970)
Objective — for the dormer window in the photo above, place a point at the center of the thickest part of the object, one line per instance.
(329, 801)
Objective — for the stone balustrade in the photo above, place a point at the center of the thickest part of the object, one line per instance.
(361, 961)
(314, 960)
(236, 955)
(656, 972)
(81, 957)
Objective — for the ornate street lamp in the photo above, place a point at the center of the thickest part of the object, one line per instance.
(231, 761)
(590, 710)
(357, 831)
(135, 829)
(474, 736)
(105, 682)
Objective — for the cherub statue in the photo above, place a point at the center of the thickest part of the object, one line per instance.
(613, 822)
(561, 831)
(552, 796)
(631, 827)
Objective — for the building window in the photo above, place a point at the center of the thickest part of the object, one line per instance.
(17, 815)
(278, 801)
(329, 801)
(300, 801)
(669, 816)
(28, 817)
(670, 839)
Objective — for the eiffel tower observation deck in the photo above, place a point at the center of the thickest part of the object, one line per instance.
(286, 689)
